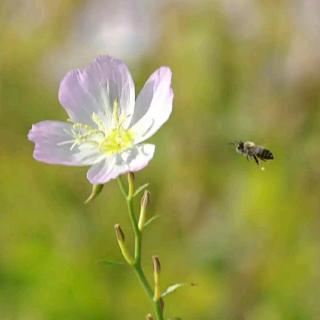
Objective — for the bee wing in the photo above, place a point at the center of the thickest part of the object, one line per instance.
(254, 149)
(259, 149)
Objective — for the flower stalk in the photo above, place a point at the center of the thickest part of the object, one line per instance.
(135, 263)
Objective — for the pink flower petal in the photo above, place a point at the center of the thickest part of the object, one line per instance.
(94, 89)
(50, 139)
(130, 160)
(153, 106)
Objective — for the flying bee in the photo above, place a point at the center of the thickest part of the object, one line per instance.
(251, 150)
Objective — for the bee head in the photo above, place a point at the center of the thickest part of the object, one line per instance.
(240, 146)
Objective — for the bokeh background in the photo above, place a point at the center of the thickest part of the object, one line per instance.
(250, 239)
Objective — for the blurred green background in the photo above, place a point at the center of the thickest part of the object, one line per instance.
(249, 238)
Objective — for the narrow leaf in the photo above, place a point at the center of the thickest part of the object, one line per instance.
(140, 189)
(151, 220)
(110, 262)
(174, 287)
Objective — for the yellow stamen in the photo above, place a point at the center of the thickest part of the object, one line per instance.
(112, 141)
(118, 139)
(115, 114)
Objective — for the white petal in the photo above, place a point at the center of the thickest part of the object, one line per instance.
(94, 90)
(103, 171)
(153, 106)
(137, 157)
(131, 160)
(53, 141)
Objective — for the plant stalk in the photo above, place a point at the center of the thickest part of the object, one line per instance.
(137, 266)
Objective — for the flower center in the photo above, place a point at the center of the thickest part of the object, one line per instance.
(109, 141)
(116, 141)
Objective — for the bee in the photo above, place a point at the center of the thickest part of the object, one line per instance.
(253, 151)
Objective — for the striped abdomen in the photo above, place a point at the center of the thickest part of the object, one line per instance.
(265, 154)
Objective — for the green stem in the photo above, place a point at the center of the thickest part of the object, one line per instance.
(121, 187)
(137, 254)
(143, 280)
(137, 233)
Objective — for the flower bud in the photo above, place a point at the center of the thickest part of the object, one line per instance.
(119, 233)
(131, 184)
(96, 190)
(156, 264)
(156, 275)
(120, 238)
(145, 199)
(144, 203)
(149, 317)
(131, 175)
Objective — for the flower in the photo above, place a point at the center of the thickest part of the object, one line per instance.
(106, 126)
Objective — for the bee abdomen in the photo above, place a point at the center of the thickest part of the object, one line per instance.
(265, 154)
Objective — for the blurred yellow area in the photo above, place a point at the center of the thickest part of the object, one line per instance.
(249, 238)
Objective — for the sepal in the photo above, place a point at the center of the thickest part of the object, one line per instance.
(96, 190)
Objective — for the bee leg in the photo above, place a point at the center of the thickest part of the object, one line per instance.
(260, 158)
(256, 160)
(248, 157)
